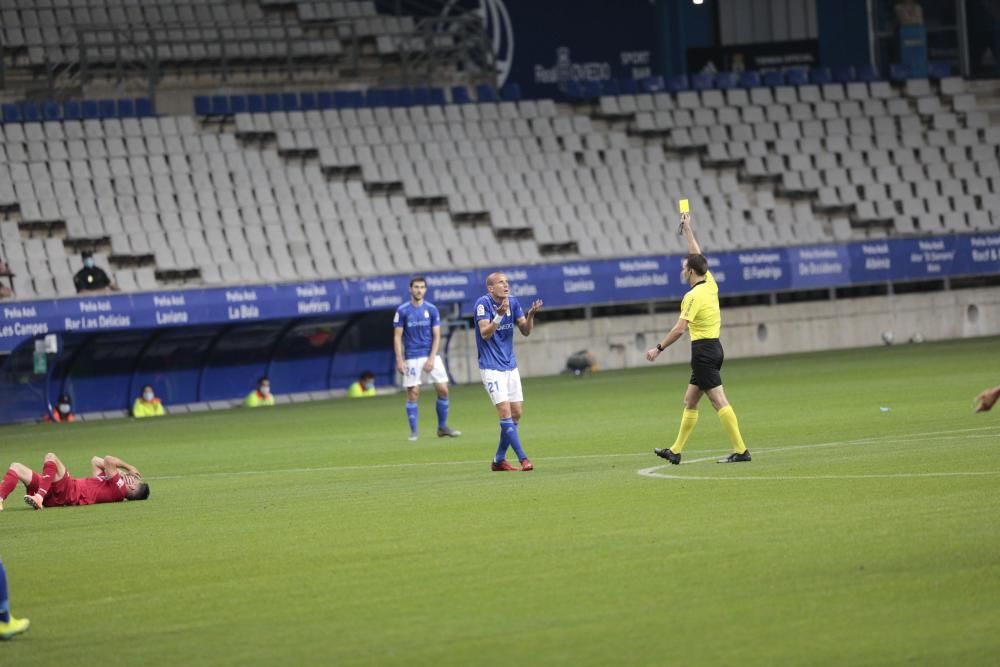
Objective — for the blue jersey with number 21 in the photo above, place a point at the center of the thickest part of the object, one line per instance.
(497, 353)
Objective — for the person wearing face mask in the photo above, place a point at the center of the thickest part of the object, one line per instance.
(261, 396)
(63, 411)
(147, 405)
(91, 278)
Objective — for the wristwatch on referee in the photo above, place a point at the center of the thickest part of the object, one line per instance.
(659, 347)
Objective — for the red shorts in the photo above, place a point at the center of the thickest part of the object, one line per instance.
(60, 493)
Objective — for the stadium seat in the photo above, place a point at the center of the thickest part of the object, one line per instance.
(460, 95)
(678, 83)
(273, 102)
(898, 72)
(866, 73)
(749, 80)
(628, 87)
(51, 110)
(89, 109)
(255, 103)
(936, 71)
(511, 92)
(820, 76)
(774, 78)
(144, 107)
(726, 80)
(289, 102)
(438, 96)
(11, 113)
(308, 102)
(72, 110)
(237, 104)
(324, 99)
(30, 112)
(702, 81)
(125, 108)
(652, 84)
(486, 93)
(403, 97)
(844, 74)
(202, 105)
(106, 109)
(797, 76)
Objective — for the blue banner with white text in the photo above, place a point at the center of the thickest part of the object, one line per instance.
(563, 285)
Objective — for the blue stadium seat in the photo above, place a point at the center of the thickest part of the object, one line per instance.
(843, 74)
(678, 83)
(652, 84)
(797, 77)
(460, 95)
(30, 112)
(106, 108)
(51, 110)
(11, 113)
(144, 107)
(237, 103)
(89, 109)
(272, 102)
(774, 78)
(628, 87)
(726, 80)
(702, 81)
(72, 110)
(375, 97)
(820, 76)
(202, 105)
(421, 96)
(403, 97)
(866, 73)
(324, 99)
(573, 90)
(591, 90)
(899, 72)
(290, 101)
(308, 102)
(938, 70)
(126, 108)
(220, 105)
(608, 87)
(255, 103)
(486, 93)
(749, 80)
(511, 92)
(438, 97)
(348, 99)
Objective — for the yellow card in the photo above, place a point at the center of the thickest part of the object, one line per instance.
(684, 206)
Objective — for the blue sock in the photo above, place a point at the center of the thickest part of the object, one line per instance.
(442, 408)
(501, 448)
(4, 604)
(411, 415)
(509, 430)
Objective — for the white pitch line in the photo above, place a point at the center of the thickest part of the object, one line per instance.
(916, 437)
(571, 457)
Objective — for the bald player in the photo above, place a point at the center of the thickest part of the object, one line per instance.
(497, 313)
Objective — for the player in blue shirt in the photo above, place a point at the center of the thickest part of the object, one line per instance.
(417, 336)
(496, 315)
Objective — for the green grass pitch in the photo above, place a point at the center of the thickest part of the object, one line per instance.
(316, 534)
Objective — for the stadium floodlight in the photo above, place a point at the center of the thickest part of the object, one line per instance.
(697, 2)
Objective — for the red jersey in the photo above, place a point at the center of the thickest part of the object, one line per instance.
(86, 491)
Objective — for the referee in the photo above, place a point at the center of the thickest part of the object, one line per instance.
(700, 314)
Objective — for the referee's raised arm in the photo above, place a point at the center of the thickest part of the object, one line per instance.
(693, 246)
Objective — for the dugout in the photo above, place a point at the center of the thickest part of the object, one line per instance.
(197, 367)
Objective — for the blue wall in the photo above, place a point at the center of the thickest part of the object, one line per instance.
(681, 25)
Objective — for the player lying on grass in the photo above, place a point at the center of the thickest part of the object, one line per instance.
(112, 481)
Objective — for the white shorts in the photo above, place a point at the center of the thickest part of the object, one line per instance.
(416, 375)
(502, 385)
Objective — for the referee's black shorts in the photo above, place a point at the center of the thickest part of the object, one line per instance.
(706, 362)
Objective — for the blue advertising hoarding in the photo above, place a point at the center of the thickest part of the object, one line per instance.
(560, 285)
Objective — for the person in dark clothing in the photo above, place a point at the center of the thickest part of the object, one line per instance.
(91, 278)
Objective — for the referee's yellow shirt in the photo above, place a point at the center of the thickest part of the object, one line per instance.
(700, 308)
